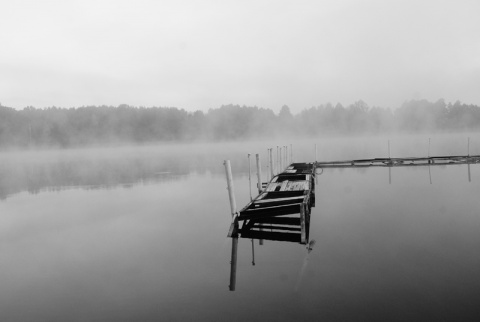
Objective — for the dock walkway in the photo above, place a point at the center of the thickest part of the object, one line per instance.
(282, 210)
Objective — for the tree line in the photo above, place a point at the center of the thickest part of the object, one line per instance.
(93, 125)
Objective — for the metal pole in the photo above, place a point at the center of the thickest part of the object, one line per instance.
(259, 174)
(231, 191)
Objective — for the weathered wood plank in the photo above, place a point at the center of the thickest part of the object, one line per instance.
(268, 235)
(270, 211)
(292, 221)
(276, 227)
(284, 185)
(279, 199)
(274, 202)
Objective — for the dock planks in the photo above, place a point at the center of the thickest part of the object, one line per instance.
(282, 210)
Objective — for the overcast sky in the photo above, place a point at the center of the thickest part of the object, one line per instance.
(202, 54)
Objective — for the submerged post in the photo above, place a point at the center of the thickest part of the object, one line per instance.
(253, 253)
(233, 264)
(259, 174)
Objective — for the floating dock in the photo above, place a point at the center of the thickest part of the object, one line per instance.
(401, 162)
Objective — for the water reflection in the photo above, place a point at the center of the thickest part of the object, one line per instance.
(89, 169)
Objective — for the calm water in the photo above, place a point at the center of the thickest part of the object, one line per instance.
(139, 234)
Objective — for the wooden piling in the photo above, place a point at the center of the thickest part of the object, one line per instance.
(250, 177)
(428, 148)
(271, 164)
(468, 146)
(291, 153)
(277, 167)
(281, 160)
(233, 264)
(231, 191)
(259, 174)
(286, 156)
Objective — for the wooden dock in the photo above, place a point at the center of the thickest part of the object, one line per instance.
(401, 162)
(282, 210)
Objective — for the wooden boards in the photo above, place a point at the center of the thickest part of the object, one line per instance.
(282, 211)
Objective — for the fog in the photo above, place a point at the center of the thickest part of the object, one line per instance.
(128, 125)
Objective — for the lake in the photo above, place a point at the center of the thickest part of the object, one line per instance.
(139, 234)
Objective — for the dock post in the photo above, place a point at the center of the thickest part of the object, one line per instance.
(259, 177)
(282, 158)
(291, 153)
(250, 177)
(259, 174)
(468, 147)
(271, 164)
(268, 166)
(277, 167)
(231, 191)
(286, 156)
(429, 149)
(233, 264)
(233, 207)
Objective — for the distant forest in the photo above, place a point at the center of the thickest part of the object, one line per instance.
(97, 125)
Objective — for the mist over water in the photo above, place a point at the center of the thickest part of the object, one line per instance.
(139, 233)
